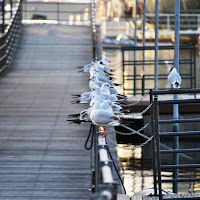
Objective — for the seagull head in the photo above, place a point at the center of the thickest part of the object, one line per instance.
(104, 61)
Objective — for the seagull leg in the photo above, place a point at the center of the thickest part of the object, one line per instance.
(104, 133)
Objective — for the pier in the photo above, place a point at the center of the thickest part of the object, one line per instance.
(43, 155)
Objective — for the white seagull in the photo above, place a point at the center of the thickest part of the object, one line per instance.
(104, 116)
(174, 78)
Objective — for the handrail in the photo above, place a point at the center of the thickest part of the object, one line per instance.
(158, 134)
(10, 38)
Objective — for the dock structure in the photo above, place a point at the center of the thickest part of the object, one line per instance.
(42, 156)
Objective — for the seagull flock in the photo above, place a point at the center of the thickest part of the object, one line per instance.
(105, 104)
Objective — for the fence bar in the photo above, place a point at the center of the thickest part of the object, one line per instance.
(180, 150)
(179, 101)
(180, 91)
(153, 145)
(156, 44)
(182, 198)
(158, 161)
(183, 166)
(180, 180)
(179, 121)
(3, 16)
(188, 133)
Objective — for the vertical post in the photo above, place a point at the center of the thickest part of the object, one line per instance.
(134, 80)
(156, 43)
(11, 8)
(144, 41)
(135, 43)
(191, 70)
(156, 114)
(58, 12)
(123, 71)
(96, 159)
(3, 15)
(175, 106)
(153, 145)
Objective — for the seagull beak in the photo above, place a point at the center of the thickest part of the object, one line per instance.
(111, 87)
(113, 106)
(89, 79)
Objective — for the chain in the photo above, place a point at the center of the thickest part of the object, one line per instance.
(135, 103)
(133, 131)
(132, 148)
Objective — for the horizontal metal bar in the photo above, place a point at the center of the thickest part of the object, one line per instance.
(180, 91)
(179, 101)
(180, 180)
(153, 47)
(182, 198)
(180, 166)
(180, 150)
(179, 121)
(187, 133)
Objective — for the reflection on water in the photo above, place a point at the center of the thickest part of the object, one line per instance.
(138, 175)
(116, 63)
(137, 171)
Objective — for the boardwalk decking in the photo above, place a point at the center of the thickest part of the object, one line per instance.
(41, 155)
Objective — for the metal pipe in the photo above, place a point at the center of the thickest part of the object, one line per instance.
(175, 106)
(156, 116)
(144, 43)
(156, 44)
(11, 8)
(181, 91)
(135, 42)
(180, 180)
(180, 166)
(187, 133)
(3, 16)
(153, 145)
(180, 150)
(179, 121)
(179, 101)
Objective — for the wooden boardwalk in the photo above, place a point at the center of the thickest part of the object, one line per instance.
(41, 155)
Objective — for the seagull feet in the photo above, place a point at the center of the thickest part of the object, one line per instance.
(104, 133)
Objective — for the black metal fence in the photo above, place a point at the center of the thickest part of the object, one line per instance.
(137, 82)
(158, 153)
(10, 36)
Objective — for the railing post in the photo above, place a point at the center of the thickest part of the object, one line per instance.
(58, 12)
(11, 8)
(134, 78)
(153, 145)
(123, 70)
(156, 44)
(175, 106)
(158, 159)
(3, 15)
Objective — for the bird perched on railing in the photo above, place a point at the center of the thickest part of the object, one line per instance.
(174, 78)
(102, 115)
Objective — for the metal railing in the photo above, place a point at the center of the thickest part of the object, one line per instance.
(105, 186)
(155, 129)
(136, 79)
(10, 37)
(57, 12)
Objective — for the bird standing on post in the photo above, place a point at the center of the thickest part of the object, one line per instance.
(174, 78)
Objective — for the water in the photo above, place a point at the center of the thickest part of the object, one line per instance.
(138, 174)
(136, 168)
(116, 63)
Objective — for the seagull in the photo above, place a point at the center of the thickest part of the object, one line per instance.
(94, 81)
(174, 78)
(101, 115)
